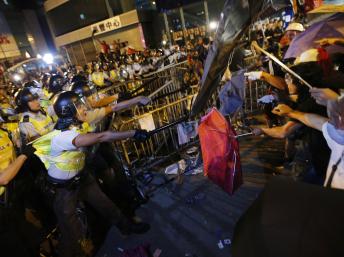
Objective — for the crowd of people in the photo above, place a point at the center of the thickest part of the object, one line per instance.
(310, 115)
(53, 140)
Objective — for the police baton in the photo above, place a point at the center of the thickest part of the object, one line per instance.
(155, 131)
(276, 60)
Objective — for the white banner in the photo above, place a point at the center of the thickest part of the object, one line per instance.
(8, 45)
(106, 25)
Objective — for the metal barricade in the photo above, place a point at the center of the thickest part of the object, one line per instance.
(170, 102)
(253, 91)
(171, 99)
(166, 141)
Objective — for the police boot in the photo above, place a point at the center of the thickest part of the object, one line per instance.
(126, 227)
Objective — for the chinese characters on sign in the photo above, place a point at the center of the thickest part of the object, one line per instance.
(106, 25)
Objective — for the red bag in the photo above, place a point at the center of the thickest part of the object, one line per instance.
(220, 150)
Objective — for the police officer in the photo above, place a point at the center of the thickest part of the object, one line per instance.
(15, 237)
(84, 91)
(57, 83)
(34, 122)
(70, 177)
(110, 169)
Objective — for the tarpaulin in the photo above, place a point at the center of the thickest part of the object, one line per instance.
(236, 17)
(220, 151)
(233, 93)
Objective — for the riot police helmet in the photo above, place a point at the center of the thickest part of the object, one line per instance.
(23, 97)
(66, 104)
(56, 83)
(79, 77)
(81, 89)
(33, 84)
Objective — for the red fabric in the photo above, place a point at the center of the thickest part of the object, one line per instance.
(312, 4)
(105, 48)
(324, 61)
(220, 151)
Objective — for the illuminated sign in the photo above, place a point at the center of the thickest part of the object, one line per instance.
(8, 45)
(106, 25)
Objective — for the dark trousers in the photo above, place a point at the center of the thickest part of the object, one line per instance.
(114, 182)
(70, 224)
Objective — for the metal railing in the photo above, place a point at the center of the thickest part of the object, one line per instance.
(171, 100)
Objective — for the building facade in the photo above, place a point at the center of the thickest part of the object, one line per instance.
(24, 32)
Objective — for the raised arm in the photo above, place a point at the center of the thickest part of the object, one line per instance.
(7, 174)
(12, 170)
(274, 81)
(105, 101)
(89, 139)
(309, 119)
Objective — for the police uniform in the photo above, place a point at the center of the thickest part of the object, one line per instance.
(7, 154)
(33, 125)
(72, 182)
(17, 237)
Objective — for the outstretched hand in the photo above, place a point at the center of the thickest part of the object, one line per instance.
(141, 135)
(282, 110)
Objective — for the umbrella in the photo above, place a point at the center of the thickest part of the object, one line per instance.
(331, 27)
(232, 94)
(236, 17)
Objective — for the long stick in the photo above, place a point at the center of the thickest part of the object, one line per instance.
(275, 59)
(160, 88)
(169, 125)
(245, 134)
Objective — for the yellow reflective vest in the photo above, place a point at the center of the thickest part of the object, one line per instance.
(98, 78)
(7, 153)
(10, 126)
(69, 161)
(42, 127)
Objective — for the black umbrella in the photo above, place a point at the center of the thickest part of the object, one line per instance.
(236, 17)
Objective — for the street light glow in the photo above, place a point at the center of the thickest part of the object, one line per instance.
(16, 77)
(213, 25)
(48, 58)
(164, 42)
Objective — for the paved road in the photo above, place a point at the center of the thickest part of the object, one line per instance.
(189, 218)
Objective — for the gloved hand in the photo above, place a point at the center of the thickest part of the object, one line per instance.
(28, 150)
(254, 75)
(122, 96)
(141, 135)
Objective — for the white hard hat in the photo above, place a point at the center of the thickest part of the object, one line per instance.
(295, 26)
(310, 55)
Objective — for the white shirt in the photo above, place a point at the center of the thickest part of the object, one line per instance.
(59, 144)
(337, 151)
